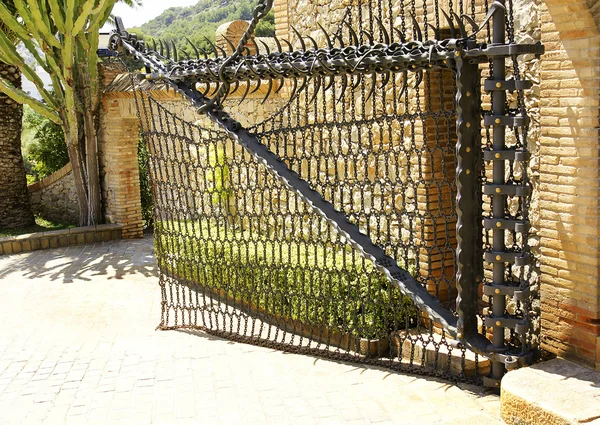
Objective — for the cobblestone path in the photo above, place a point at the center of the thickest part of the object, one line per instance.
(78, 345)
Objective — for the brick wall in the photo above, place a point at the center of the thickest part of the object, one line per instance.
(117, 146)
(569, 181)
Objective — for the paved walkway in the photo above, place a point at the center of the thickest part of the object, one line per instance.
(78, 345)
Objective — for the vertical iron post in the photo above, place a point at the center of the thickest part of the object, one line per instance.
(468, 202)
(499, 200)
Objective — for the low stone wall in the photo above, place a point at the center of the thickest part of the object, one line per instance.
(60, 238)
(54, 198)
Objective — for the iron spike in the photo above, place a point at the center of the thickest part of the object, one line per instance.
(162, 48)
(386, 80)
(237, 86)
(404, 84)
(223, 52)
(255, 45)
(294, 88)
(436, 31)
(340, 39)
(302, 44)
(290, 47)
(266, 47)
(344, 86)
(213, 47)
(318, 82)
(417, 28)
(461, 26)
(175, 53)
(303, 86)
(154, 46)
(472, 22)
(359, 79)
(245, 92)
(279, 48)
(269, 89)
(419, 79)
(168, 49)
(368, 35)
(353, 35)
(450, 24)
(258, 84)
(373, 86)
(331, 81)
(386, 34)
(204, 53)
(233, 48)
(327, 38)
(400, 35)
(281, 84)
(314, 43)
(194, 48)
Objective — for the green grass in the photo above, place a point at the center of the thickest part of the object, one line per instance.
(41, 225)
(318, 284)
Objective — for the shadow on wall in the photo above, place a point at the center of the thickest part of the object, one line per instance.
(116, 260)
(569, 171)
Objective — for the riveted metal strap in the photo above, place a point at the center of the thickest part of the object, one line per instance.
(506, 155)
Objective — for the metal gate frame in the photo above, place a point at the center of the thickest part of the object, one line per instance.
(464, 55)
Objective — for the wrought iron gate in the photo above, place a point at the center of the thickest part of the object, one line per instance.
(351, 223)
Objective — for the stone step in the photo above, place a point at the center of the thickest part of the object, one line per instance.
(556, 392)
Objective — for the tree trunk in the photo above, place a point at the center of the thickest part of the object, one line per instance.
(91, 158)
(15, 207)
(76, 157)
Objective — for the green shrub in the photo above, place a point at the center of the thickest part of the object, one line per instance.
(316, 284)
(46, 151)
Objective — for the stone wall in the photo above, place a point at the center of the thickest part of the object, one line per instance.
(54, 198)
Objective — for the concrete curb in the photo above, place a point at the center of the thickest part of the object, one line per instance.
(557, 392)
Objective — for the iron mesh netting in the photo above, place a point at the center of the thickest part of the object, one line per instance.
(240, 251)
(242, 256)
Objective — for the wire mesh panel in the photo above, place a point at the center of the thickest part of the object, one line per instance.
(350, 223)
(244, 257)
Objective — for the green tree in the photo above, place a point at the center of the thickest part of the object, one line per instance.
(15, 208)
(67, 32)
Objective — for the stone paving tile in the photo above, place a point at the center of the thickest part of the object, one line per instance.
(78, 345)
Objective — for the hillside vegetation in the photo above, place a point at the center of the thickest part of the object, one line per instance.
(200, 21)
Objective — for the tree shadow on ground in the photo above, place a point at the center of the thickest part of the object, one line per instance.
(115, 260)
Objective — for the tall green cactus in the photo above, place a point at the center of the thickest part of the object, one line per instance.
(67, 32)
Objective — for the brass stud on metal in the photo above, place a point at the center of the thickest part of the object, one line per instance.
(498, 120)
(445, 61)
(457, 54)
(468, 172)
(499, 224)
(498, 258)
(498, 190)
(468, 150)
(468, 94)
(468, 125)
(459, 335)
(498, 323)
(499, 85)
(498, 156)
(497, 291)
